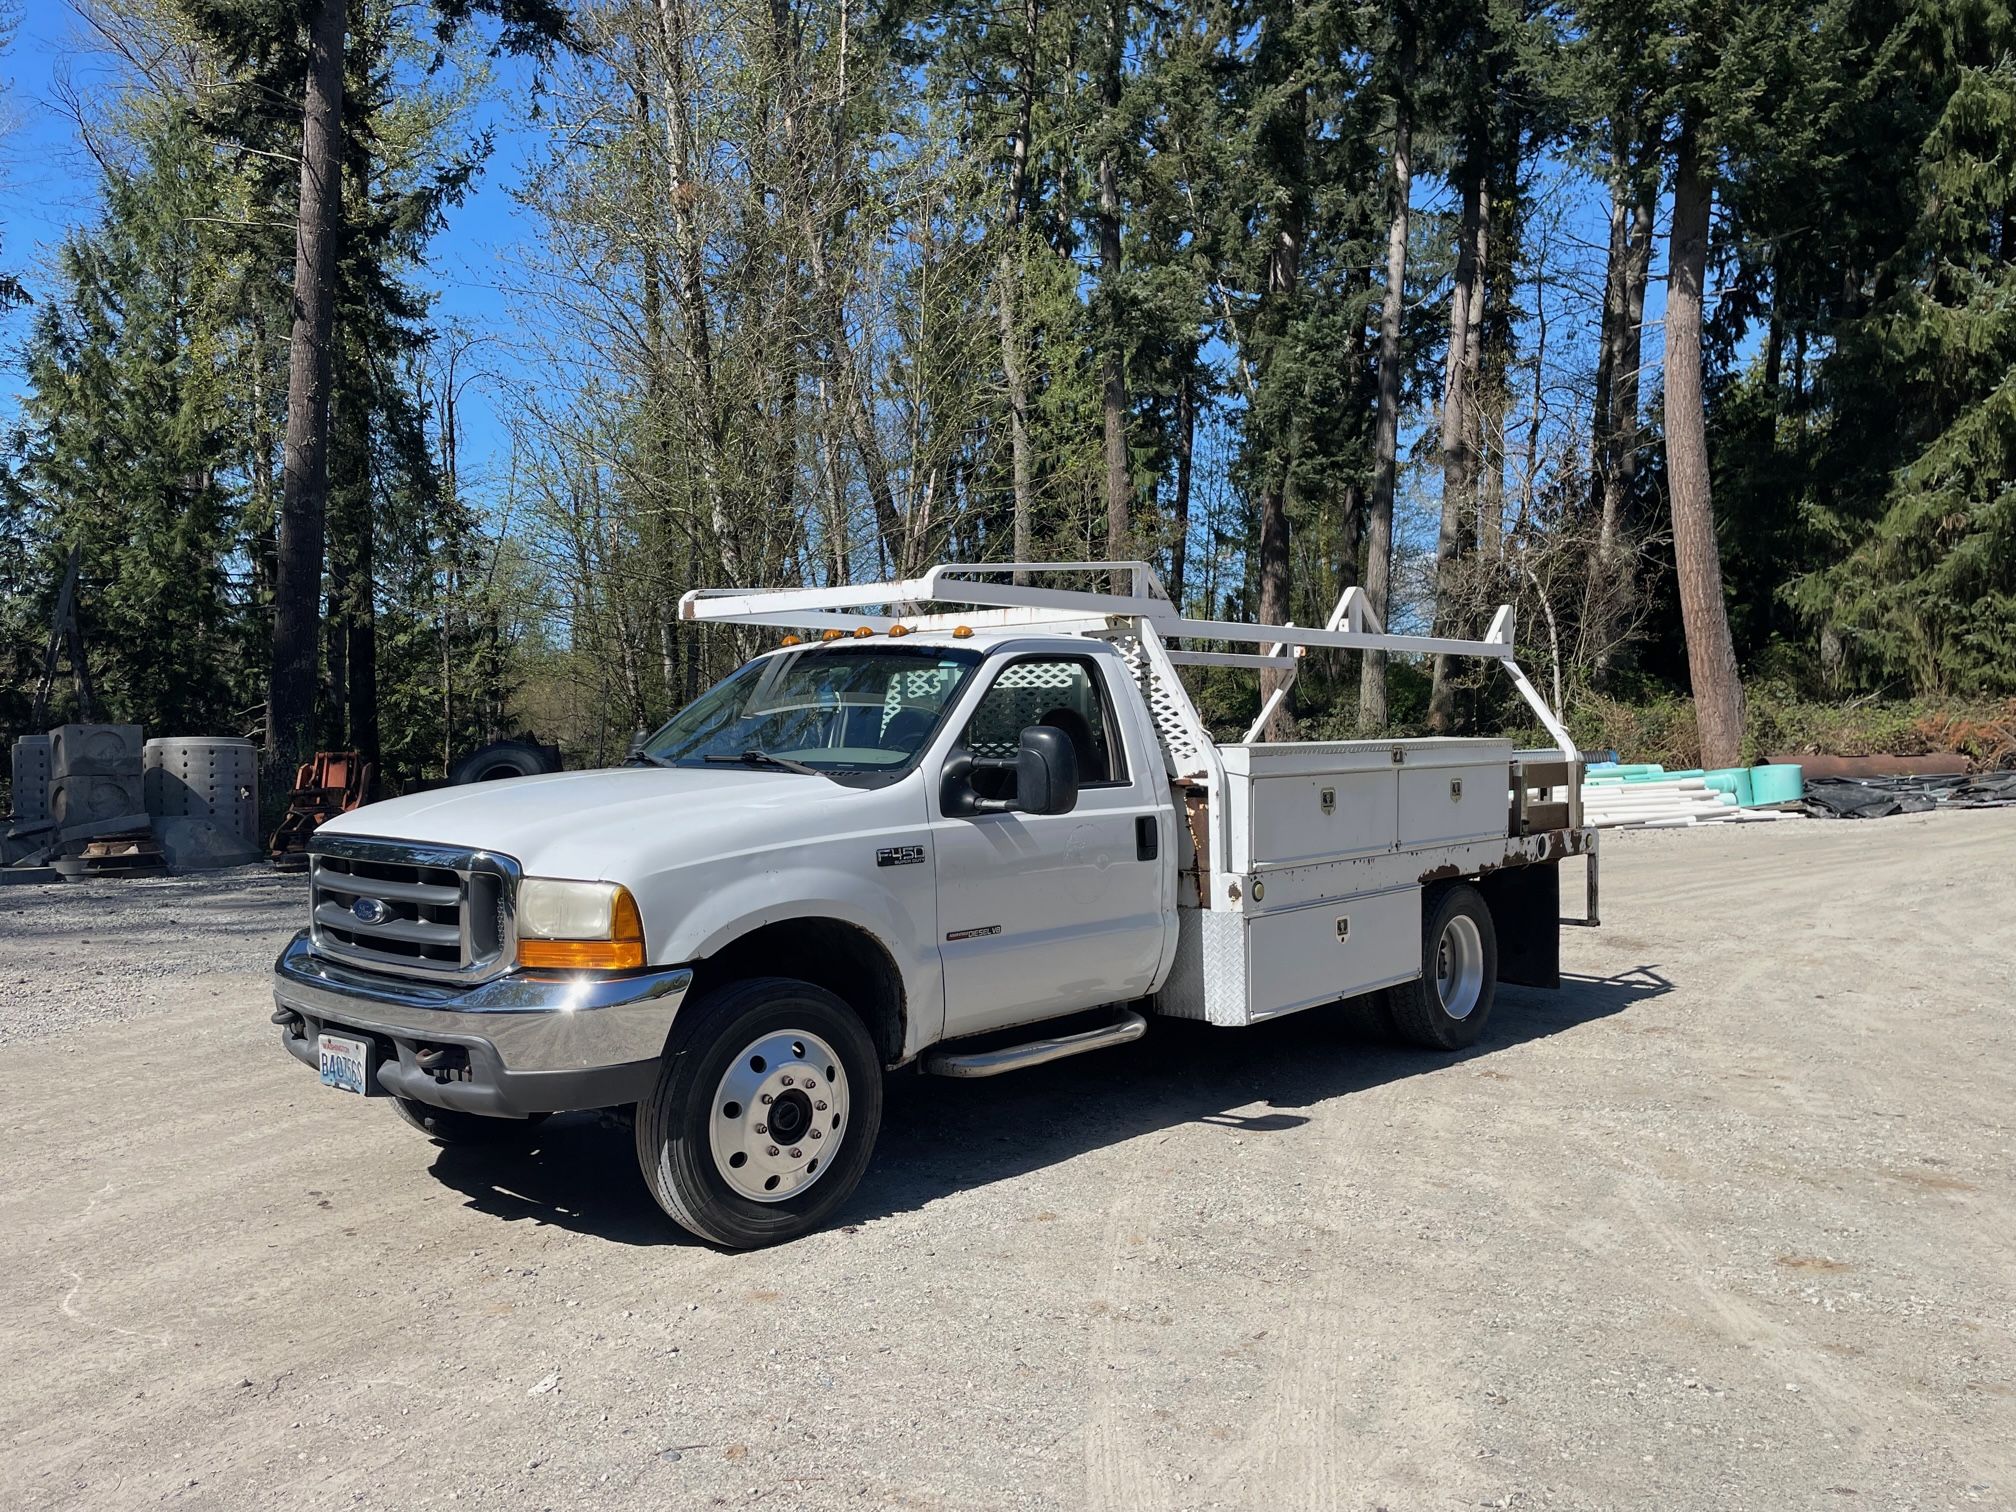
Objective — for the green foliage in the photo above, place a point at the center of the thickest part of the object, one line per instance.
(774, 244)
(1781, 722)
(120, 452)
(157, 381)
(1874, 499)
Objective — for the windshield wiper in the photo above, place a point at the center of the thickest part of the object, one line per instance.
(764, 758)
(646, 757)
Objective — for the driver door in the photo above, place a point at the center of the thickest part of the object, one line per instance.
(1043, 914)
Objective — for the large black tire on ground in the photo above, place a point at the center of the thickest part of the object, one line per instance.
(1448, 1007)
(679, 1127)
(505, 758)
(448, 1126)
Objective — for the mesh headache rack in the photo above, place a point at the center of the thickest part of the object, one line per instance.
(1143, 623)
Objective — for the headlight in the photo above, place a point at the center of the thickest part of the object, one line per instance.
(582, 925)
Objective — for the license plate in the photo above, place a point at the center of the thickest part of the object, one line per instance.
(345, 1062)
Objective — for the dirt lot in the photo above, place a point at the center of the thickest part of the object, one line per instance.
(1729, 1222)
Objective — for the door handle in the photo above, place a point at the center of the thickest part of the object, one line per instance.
(1147, 838)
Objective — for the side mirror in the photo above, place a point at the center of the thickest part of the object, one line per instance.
(1046, 772)
(1046, 777)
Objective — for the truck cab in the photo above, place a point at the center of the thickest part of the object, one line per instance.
(877, 840)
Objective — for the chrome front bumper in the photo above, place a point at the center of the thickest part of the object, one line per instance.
(534, 1043)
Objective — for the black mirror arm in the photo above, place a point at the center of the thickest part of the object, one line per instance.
(956, 794)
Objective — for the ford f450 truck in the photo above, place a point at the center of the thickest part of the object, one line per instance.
(972, 839)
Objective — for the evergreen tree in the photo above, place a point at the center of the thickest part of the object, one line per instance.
(121, 449)
(266, 36)
(1917, 399)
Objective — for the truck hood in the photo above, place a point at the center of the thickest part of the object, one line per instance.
(598, 825)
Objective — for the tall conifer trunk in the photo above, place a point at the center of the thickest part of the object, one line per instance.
(1711, 659)
(1186, 446)
(689, 282)
(1008, 281)
(1284, 279)
(1615, 426)
(297, 587)
(1113, 360)
(1459, 461)
(1386, 430)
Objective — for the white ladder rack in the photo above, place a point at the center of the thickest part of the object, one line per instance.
(1144, 615)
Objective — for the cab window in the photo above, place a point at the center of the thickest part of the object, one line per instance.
(1062, 692)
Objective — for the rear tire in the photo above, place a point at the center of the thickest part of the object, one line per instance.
(764, 1115)
(447, 1126)
(1449, 1005)
(502, 759)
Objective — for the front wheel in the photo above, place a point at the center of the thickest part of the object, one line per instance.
(764, 1113)
(451, 1126)
(1447, 1007)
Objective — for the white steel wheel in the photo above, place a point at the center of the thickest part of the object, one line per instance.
(1449, 1004)
(779, 1116)
(764, 1114)
(1459, 966)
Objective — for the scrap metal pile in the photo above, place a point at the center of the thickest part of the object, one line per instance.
(1880, 797)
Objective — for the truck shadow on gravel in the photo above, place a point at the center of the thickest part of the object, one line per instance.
(940, 1137)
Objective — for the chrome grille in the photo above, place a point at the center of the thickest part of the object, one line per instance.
(419, 910)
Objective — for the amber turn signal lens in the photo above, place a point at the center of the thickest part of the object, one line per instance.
(581, 955)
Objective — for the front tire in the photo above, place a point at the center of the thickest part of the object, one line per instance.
(1448, 1006)
(448, 1126)
(764, 1114)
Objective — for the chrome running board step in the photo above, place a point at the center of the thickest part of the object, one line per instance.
(1130, 1026)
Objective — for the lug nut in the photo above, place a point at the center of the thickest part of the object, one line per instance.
(820, 1105)
(765, 1099)
(810, 1084)
(816, 1134)
(796, 1153)
(772, 1151)
(785, 1079)
(762, 1128)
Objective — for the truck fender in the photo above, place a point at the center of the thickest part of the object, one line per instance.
(754, 902)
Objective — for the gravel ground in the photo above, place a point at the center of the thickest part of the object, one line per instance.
(74, 954)
(1725, 1223)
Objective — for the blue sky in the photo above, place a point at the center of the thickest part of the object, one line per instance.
(48, 185)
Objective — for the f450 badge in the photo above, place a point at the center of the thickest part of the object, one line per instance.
(900, 855)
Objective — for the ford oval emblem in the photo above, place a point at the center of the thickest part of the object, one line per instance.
(371, 910)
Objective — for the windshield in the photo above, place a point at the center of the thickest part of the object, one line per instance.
(835, 708)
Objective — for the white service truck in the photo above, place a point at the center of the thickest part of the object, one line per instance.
(971, 840)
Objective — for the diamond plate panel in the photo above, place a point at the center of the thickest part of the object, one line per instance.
(1208, 981)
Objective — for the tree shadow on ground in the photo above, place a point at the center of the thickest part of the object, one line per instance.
(940, 1137)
